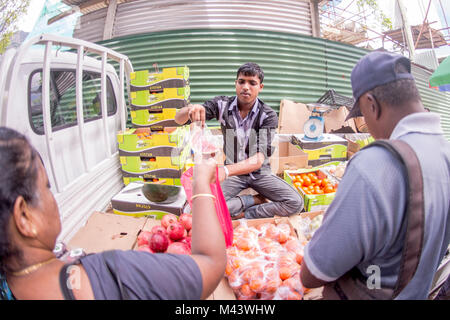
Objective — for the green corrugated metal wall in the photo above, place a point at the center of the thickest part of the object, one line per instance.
(298, 68)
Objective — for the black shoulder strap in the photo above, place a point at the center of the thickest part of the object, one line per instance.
(415, 210)
(109, 258)
(63, 283)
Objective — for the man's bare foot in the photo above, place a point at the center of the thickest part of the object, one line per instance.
(259, 199)
(239, 216)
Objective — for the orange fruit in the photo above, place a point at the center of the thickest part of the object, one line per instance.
(306, 181)
(325, 181)
(273, 281)
(285, 272)
(246, 291)
(272, 232)
(257, 285)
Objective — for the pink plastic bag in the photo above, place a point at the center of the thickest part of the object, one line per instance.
(221, 206)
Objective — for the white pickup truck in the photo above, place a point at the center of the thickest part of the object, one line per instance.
(69, 101)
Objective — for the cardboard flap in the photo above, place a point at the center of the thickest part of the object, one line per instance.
(106, 231)
(335, 120)
(292, 117)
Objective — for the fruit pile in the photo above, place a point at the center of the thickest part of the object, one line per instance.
(172, 236)
(264, 263)
(310, 183)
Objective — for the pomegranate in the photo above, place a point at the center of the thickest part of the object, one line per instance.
(168, 219)
(143, 238)
(187, 241)
(145, 249)
(178, 248)
(186, 221)
(176, 231)
(159, 242)
(190, 233)
(159, 229)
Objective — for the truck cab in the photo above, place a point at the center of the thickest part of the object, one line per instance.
(66, 97)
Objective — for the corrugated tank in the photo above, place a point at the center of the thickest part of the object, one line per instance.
(297, 67)
(153, 16)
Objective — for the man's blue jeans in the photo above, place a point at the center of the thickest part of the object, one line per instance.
(285, 200)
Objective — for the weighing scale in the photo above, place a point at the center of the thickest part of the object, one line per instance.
(315, 125)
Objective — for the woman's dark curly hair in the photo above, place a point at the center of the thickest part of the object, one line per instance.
(18, 176)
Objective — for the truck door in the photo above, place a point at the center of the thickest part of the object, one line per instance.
(70, 106)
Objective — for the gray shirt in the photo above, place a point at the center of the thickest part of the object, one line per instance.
(146, 276)
(364, 225)
(243, 138)
(243, 127)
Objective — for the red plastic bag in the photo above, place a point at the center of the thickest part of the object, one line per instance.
(221, 206)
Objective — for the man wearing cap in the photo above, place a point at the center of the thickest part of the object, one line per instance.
(363, 230)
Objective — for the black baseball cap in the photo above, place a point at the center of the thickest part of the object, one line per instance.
(373, 70)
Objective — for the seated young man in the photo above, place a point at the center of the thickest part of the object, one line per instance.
(248, 126)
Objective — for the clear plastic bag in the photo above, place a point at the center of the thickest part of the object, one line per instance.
(262, 265)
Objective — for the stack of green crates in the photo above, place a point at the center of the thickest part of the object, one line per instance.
(150, 156)
(154, 150)
(156, 97)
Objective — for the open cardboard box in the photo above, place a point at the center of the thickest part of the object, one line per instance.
(313, 202)
(287, 157)
(335, 121)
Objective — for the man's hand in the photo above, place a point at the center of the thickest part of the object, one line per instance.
(197, 113)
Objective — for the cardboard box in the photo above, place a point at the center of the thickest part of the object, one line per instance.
(132, 202)
(154, 120)
(312, 202)
(143, 140)
(107, 231)
(287, 157)
(357, 141)
(292, 117)
(330, 148)
(165, 181)
(325, 162)
(146, 164)
(173, 98)
(174, 77)
(158, 173)
(335, 121)
(296, 221)
(361, 125)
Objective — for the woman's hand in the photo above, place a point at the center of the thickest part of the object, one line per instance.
(204, 173)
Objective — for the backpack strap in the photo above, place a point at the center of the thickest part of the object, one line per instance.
(415, 210)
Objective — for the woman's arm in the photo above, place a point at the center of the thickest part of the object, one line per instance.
(208, 242)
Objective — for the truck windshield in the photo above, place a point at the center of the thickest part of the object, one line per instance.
(63, 110)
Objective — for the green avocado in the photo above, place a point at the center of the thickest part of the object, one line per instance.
(160, 193)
